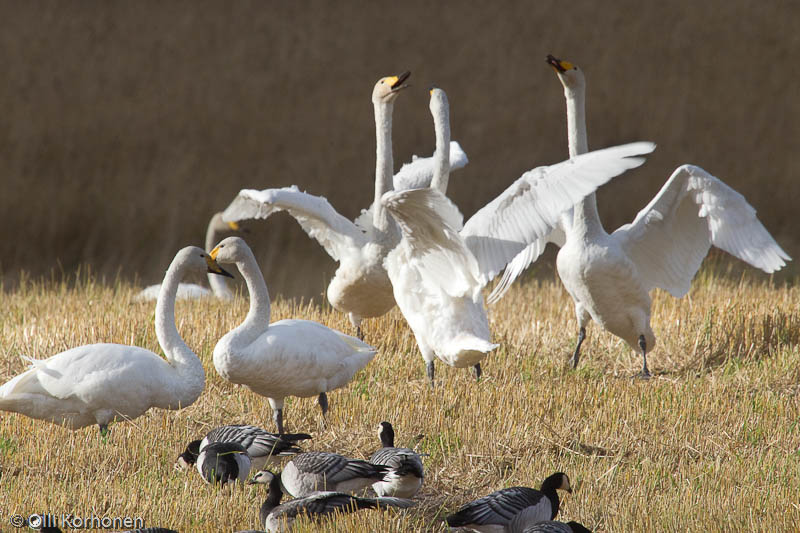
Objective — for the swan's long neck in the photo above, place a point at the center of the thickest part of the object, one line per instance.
(384, 165)
(257, 319)
(219, 284)
(441, 159)
(583, 220)
(179, 355)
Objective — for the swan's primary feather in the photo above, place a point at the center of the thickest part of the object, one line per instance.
(670, 237)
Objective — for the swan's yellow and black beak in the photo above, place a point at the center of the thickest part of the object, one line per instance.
(234, 226)
(559, 65)
(213, 267)
(397, 83)
(431, 89)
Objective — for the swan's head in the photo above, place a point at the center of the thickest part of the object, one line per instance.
(219, 225)
(439, 102)
(230, 250)
(387, 88)
(197, 260)
(570, 75)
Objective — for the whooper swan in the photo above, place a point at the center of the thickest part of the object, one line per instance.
(193, 291)
(285, 358)
(438, 269)
(360, 286)
(610, 276)
(101, 383)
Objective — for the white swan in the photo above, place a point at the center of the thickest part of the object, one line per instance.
(360, 286)
(192, 291)
(437, 271)
(285, 358)
(101, 383)
(610, 276)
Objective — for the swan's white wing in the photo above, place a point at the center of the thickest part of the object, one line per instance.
(670, 237)
(317, 217)
(528, 210)
(429, 222)
(419, 172)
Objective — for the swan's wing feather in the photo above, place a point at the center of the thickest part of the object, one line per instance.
(419, 172)
(670, 237)
(529, 209)
(429, 222)
(317, 217)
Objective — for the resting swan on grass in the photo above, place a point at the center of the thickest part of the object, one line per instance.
(360, 286)
(286, 358)
(610, 276)
(101, 383)
(438, 269)
(192, 291)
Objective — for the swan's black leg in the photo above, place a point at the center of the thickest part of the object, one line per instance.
(478, 371)
(323, 403)
(103, 430)
(429, 369)
(577, 355)
(643, 346)
(359, 333)
(277, 416)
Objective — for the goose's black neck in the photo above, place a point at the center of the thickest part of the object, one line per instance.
(549, 489)
(273, 497)
(387, 435)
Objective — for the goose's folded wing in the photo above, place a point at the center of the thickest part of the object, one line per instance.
(316, 216)
(419, 172)
(519, 221)
(670, 237)
(430, 222)
(496, 508)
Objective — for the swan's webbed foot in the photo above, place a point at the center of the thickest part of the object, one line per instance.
(323, 403)
(643, 347)
(478, 371)
(429, 370)
(277, 416)
(577, 355)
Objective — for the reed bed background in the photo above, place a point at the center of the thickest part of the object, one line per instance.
(125, 125)
(710, 443)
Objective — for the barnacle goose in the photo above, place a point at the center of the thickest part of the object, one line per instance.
(278, 517)
(263, 447)
(520, 524)
(405, 466)
(492, 513)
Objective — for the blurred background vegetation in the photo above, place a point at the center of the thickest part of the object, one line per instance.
(126, 125)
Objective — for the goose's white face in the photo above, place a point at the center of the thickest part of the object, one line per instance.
(262, 478)
(570, 75)
(387, 89)
(565, 483)
(229, 250)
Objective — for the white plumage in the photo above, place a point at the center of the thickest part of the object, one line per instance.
(609, 276)
(360, 286)
(438, 269)
(101, 383)
(192, 291)
(285, 358)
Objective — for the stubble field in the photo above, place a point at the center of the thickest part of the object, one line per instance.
(710, 443)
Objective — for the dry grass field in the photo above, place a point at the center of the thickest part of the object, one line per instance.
(710, 443)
